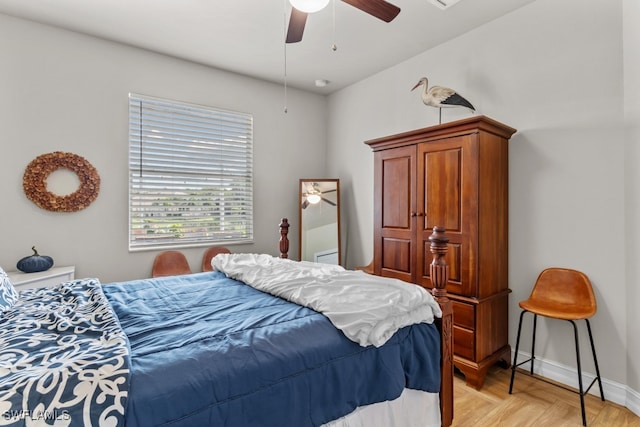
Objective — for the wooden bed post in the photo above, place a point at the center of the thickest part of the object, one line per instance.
(284, 240)
(439, 273)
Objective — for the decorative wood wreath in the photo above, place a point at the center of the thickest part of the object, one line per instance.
(35, 177)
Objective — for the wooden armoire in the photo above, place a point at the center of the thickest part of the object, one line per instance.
(454, 175)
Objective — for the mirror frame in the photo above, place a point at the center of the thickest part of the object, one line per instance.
(301, 200)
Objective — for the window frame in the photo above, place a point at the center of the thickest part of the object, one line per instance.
(216, 159)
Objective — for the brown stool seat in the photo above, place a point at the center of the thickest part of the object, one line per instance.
(170, 263)
(209, 254)
(564, 294)
(557, 310)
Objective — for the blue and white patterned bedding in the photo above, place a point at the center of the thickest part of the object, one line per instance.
(64, 359)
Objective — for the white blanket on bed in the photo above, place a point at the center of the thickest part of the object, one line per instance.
(367, 309)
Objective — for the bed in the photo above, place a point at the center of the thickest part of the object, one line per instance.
(227, 348)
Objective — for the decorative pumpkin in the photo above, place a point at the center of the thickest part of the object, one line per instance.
(34, 263)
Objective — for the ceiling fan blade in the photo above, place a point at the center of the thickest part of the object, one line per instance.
(297, 21)
(328, 201)
(305, 204)
(328, 191)
(378, 8)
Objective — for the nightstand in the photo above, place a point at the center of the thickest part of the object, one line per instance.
(51, 277)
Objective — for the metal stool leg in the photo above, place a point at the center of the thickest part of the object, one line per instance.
(533, 341)
(515, 355)
(595, 359)
(575, 333)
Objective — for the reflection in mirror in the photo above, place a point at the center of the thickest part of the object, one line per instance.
(319, 228)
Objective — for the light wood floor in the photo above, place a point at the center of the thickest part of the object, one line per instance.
(533, 403)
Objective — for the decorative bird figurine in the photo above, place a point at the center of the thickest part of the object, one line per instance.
(441, 97)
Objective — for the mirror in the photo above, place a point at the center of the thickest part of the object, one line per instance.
(319, 227)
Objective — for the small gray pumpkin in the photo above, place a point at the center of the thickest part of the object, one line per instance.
(34, 263)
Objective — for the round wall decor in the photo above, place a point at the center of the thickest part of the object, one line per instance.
(34, 182)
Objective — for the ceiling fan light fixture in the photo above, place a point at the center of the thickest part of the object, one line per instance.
(309, 6)
(313, 198)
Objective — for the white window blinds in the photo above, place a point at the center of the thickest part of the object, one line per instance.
(190, 174)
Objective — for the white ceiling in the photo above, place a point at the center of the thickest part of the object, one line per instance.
(246, 36)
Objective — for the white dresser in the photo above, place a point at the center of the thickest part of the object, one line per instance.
(41, 279)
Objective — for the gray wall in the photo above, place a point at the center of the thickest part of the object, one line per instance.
(68, 92)
(554, 71)
(631, 44)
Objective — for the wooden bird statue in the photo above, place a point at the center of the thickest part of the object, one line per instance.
(441, 97)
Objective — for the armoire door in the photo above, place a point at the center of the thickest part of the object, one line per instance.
(394, 214)
(447, 193)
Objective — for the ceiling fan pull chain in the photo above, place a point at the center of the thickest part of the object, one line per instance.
(334, 47)
(285, 79)
(285, 56)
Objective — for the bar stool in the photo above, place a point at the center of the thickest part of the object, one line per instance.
(564, 294)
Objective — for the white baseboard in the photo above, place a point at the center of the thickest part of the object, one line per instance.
(613, 391)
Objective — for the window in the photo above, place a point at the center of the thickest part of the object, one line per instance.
(190, 175)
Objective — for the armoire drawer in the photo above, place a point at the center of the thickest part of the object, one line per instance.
(464, 315)
(464, 342)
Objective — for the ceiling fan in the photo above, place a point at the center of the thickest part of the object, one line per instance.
(313, 195)
(301, 8)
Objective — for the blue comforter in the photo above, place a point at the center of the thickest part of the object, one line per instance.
(210, 351)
